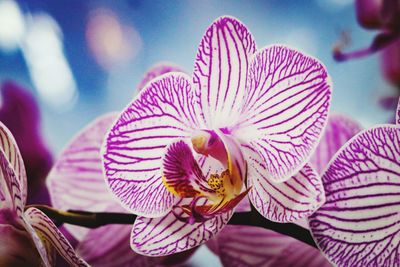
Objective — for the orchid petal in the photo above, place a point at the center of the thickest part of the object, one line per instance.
(220, 71)
(168, 235)
(289, 201)
(10, 187)
(47, 253)
(254, 246)
(163, 112)
(359, 223)
(398, 114)
(47, 230)
(10, 150)
(76, 181)
(109, 246)
(181, 173)
(284, 110)
(338, 131)
(156, 71)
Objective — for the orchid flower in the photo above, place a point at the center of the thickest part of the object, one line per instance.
(20, 113)
(76, 183)
(359, 223)
(187, 150)
(253, 246)
(31, 224)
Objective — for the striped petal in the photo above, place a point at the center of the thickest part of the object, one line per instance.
(76, 181)
(338, 131)
(253, 246)
(46, 251)
(163, 112)
(156, 71)
(10, 187)
(168, 235)
(182, 174)
(289, 201)
(47, 230)
(10, 150)
(285, 109)
(398, 114)
(220, 71)
(359, 223)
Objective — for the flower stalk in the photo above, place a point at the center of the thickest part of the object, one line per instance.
(97, 219)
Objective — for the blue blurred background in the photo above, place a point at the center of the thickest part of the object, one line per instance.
(84, 58)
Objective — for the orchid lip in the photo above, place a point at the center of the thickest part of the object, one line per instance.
(184, 178)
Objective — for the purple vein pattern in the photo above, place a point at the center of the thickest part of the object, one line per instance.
(156, 71)
(48, 231)
(10, 187)
(289, 201)
(220, 71)
(247, 246)
(359, 223)
(337, 132)
(162, 113)
(273, 102)
(12, 154)
(76, 179)
(284, 111)
(167, 235)
(77, 182)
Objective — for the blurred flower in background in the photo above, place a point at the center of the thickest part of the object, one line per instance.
(20, 113)
(111, 42)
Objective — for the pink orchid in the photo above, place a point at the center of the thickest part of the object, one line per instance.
(187, 150)
(358, 225)
(39, 236)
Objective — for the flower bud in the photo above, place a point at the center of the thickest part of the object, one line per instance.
(390, 61)
(369, 13)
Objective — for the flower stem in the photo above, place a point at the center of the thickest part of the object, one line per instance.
(96, 219)
(379, 42)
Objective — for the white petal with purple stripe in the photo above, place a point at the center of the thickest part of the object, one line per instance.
(10, 187)
(220, 71)
(167, 235)
(132, 156)
(337, 132)
(11, 152)
(289, 201)
(359, 223)
(76, 181)
(47, 230)
(284, 112)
